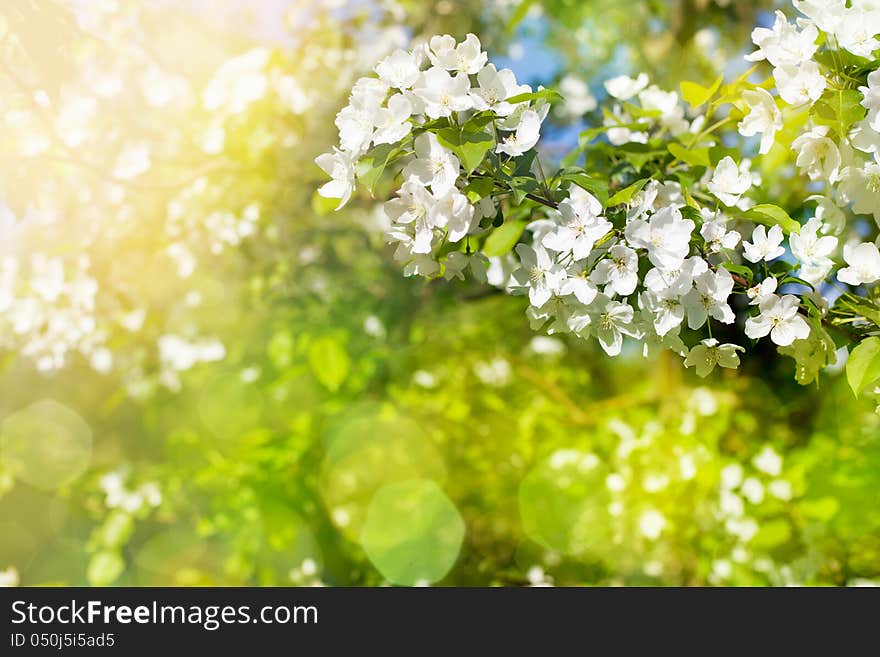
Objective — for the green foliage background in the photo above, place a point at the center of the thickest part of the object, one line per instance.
(366, 428)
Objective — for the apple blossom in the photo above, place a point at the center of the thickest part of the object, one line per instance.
(709, 353)
(709, 298)
(729, 181)
(764, 245)
(539, 274)
(665, 235)
(619, 272)
(863, 264)
(339, 167)
(624, 87)
(525, 136)
(779, 318)
(764, 118)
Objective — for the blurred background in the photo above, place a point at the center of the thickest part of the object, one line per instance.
(207, 378)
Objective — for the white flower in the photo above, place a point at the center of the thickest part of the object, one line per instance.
(578, 99)
(539, 274)
(706, 355)
(763, 118)
(457, 262)
(357, 120)
(678, 280)
(442, 93)
(9, 577)
(665, 235)
(753, 490)
(799, 85)
(337, 165)
(413, 206)
(392, 122)
(453, 212)
(817, 154)
(717, 237)
(779, 317)
(709, 297)
(871, 100)
(526, 136)
(617, 133)
(812, 251)
(768, 462)
(434, 164)
(623, 87)
(832, 217)
(826, 14)
(654, 99)
(864, 264)
(665, 309)
(611, 320)
(729, 181)
(757, 293)
(619, 271)
(780, 489)
(858, 29)
(783, 44)
(580, 287)
(651, 524)
(864, 138)
(466, 58)
(399, 70)
(860, 185)
(495, 88)
(582, 225)
(133, 160)
(764, 245)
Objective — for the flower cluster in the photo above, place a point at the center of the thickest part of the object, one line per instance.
(47, 311)
(443, 107)
(661, 236)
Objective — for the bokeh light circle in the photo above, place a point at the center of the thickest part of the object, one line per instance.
(46, 444)
(413, 532)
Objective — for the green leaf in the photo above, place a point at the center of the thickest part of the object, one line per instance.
(504, 238)
(588, 135)
(550, 95)
(470, 145)
(772, 215)
(524, 164)
(329, 361)
(371, 166)
(739, 270)
(824, 509)
(863, 366)
(697, 94)
(840, 109)
(718, 153)
(811, 354)
(572, 157)
(323, 206)
(771, 534)
(518, 15)
(521, 186)
(479, 188)
(596, 186)
(862, 306)
(479, 120)
(795, 279)
(698, 157)
(625, 194)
